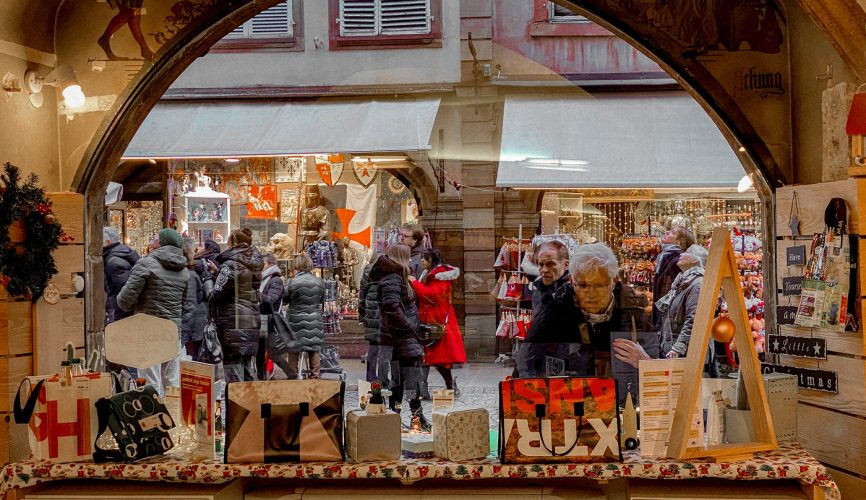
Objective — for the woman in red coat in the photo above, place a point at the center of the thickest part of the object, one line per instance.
(434, 306)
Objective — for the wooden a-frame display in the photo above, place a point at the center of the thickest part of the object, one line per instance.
(721, 272)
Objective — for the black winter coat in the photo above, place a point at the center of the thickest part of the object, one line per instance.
(664, 278)
(368, 309)
(398, 314)
(234, 301)
(118, 260)
(305, 294)
(194, 316)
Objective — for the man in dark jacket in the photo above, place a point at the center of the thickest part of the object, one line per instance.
(554, 313)
(118, 260)
(157, 286)
(674, 242)
(381, 348)
(233, 303)
(413, 236)
(270, 301)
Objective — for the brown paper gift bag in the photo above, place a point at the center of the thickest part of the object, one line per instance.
(284, 421)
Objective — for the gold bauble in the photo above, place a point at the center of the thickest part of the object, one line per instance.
(723, 329)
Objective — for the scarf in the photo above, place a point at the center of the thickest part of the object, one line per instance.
(602, 317)
(266, 277)
(667, 249)
(681, 282)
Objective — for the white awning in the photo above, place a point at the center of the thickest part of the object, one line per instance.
(658, 140)
(221, 129)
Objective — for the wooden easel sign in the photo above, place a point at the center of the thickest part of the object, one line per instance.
(721, 273)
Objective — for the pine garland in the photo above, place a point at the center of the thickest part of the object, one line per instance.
(25, 269)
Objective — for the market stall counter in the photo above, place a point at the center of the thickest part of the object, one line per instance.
(790, 462)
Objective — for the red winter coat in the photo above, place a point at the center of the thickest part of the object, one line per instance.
(434, 304)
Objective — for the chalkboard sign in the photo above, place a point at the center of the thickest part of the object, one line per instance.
(804, 347)
(815, 380)
(785, 315)
(796, 256)
(792, 285)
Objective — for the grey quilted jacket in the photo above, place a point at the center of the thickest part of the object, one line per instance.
(157, 285)
(305, 294)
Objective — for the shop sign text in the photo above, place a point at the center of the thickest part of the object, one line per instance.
(815, 380)
(804, 347)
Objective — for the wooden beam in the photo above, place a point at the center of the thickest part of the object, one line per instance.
(843, 21)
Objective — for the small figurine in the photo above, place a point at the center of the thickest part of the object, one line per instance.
(218, 236)
(376, 404)
(219, 212)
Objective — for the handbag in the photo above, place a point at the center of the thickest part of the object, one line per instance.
(282, 339)
(430, 333)
(59, 416)
(561, 419)
(284, 421)
(210, 350)
(139, 422)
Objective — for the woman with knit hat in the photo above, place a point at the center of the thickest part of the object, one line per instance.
(232, 286)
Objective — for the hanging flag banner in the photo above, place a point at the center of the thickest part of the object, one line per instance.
(330, 168)
(262, 202)
(355, 209)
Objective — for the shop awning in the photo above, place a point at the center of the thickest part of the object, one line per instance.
(657, 140)
(220, 129)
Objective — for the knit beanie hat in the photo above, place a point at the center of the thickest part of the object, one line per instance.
(171, 237)
(243, 235)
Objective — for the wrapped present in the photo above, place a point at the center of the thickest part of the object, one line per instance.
(417, 445)
(372, 436)
(462, 434)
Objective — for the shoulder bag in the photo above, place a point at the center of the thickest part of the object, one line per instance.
(210, 350)
(282, 339)
(139, 422)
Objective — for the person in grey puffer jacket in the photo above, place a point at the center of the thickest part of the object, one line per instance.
(194, 317)
(305, 294)
(233, 304)
(381, 346)
(157, 286)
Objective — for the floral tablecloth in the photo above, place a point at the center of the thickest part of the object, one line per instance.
(790, 461)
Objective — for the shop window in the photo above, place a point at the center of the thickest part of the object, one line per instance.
(275, 27)
(384, 23)
(553, 19)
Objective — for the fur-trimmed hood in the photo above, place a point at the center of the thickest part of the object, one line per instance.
(444, 273)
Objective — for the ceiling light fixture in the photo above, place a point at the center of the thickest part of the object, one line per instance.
(63, 77)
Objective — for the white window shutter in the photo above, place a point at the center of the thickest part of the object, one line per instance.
(405, 16)
(273, 22)
(358, 17)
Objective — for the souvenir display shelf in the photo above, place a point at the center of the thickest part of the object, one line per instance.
(790, 461)
(207, 215)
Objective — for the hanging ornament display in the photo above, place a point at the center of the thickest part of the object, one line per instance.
(723, 329)
(29, 233)
(51, 294)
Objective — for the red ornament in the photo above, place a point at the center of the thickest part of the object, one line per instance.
(723, 329)
(4, 280)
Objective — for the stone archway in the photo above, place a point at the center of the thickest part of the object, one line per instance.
(133, 105)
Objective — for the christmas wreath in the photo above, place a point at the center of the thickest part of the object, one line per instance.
(26, 266)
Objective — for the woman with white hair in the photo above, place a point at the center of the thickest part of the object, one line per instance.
(606, 305)
(677, 311)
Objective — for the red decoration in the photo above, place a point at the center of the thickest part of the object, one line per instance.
(856, 124)
(4, 280)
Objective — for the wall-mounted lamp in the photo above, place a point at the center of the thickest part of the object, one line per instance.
(63, 77)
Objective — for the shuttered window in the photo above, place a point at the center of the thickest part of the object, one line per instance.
(384, 17)
(558, 14)
(275, 22)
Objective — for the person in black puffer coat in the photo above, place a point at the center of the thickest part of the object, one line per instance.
(305, 294)
(118, 260)
(208, 252)
(271, 300)
(234, 304)
(398, 319)
(194, 316)
(381, 347)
